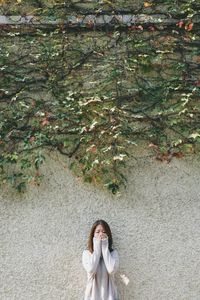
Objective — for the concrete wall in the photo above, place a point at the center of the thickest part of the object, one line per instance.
(155, 224)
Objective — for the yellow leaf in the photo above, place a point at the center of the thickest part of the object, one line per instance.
(108, 2)
(147, 4)
(19, 1)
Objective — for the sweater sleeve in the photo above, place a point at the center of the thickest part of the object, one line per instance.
(90, 260)
(111, 259)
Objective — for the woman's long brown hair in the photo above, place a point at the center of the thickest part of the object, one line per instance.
(107, 230)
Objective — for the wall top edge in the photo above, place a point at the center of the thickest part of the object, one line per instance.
(95, 20)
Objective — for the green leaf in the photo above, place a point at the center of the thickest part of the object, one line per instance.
(39, 160)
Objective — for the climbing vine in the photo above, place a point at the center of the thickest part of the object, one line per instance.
(93, 94)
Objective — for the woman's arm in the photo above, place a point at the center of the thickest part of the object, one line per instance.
(90, 260)
(111, 259)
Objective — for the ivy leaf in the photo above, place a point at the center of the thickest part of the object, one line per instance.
(189, 26)
(194, 135)
(39, 160)
(21, 187)
(113, 186)
(119, 157)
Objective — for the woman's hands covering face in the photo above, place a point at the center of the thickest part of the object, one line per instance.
(101, 235)
(104, 236)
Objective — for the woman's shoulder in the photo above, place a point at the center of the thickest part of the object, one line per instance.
(86, 255)
(86, 252)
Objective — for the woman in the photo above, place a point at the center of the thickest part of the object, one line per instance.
(101, 262)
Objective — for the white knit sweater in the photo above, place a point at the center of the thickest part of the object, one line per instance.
(100, 266)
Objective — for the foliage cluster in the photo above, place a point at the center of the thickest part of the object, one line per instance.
(94, 95)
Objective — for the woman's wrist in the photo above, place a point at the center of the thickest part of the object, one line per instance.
(104, 244)
(97, 244)
(96, 238)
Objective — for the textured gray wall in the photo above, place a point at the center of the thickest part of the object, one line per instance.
(155, 223)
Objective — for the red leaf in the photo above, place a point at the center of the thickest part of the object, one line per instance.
(178, 154)
(189, 27)
(134, 27)
(140, 27)
(45, 122)
(180, 24)
(151, 28)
